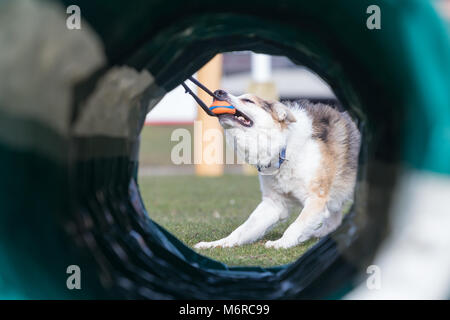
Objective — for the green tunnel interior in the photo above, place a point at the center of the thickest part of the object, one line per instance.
(84, 208)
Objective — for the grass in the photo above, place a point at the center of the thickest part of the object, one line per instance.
(156, 145)
(198, 209)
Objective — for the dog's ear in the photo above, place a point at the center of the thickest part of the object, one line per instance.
(281, 113)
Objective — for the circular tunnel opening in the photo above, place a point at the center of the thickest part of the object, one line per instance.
(148, 245)
(197, 204)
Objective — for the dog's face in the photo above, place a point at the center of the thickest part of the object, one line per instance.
(254, 113)
(257, 123)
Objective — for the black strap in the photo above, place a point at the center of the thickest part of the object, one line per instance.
(197, 99)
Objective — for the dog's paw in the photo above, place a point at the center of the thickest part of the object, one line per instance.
(280, 244)
(204, 245)
(224, 243)
(271, 244)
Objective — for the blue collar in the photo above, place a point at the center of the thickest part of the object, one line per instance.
(281, 159)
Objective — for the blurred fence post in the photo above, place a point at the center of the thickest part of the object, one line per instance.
(210, 75)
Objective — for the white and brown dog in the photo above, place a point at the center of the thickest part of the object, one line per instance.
(305, 153)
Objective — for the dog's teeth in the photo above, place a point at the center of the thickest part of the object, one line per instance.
(241, 118)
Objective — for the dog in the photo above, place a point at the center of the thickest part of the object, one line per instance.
(306, 154)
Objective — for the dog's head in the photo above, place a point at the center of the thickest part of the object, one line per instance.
(254, 113)
(257, 122)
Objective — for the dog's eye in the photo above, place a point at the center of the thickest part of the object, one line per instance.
(247, 100)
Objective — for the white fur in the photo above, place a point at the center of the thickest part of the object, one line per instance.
(282, 188)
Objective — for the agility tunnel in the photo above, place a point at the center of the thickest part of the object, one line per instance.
(73, 103)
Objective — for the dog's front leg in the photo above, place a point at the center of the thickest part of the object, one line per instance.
(306, 226)
(262, 219)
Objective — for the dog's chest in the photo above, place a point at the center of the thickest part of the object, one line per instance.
(291, 182)
(295, 174)
(290, 186)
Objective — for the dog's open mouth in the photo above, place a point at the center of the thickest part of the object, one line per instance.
(238, 117)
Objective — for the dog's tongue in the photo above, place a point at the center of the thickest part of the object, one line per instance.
(221, 107)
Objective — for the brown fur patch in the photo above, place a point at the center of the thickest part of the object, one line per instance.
(339, 142)
(263, 104)
(268, 106)
(321, 185)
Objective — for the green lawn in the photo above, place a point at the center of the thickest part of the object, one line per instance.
(198, 209)
(156, 145)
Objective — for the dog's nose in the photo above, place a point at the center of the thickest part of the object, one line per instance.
(220, 94)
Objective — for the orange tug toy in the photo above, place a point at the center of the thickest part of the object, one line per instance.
(221, 107)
